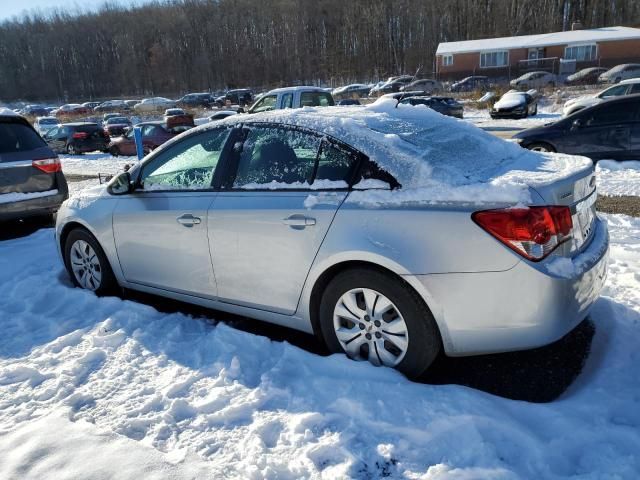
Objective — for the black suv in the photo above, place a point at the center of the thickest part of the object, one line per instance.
(31, 179)
(75, 138)
(195, 100)
(241, 96)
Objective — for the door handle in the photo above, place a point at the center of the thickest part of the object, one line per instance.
(188, 220)
(299, 221)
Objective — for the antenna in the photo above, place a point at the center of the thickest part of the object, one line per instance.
(413, 79)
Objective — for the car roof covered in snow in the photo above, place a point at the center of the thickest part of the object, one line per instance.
(540, 40)
(451, 159)
(5, 112)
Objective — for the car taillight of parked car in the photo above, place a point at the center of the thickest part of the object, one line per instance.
(532, 232)
(48, 165)
(80, 135)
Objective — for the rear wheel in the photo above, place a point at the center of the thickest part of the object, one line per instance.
(370, 315)
(72, 149)
(541, 147)
(87, 264)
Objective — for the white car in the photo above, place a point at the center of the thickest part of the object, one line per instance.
(625, 87)
(620, 72)
(44, 124)
(154, 104)
(534, 80)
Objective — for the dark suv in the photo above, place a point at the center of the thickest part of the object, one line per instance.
(240, 96)
(75, 138)
(31, 179)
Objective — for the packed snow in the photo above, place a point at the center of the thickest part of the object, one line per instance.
(19, 197)
(618, 178)
(105, 388)
(92, 164)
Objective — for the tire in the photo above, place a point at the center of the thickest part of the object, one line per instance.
(541, 147)
(71, 149)
(100, 278)
(415, 341)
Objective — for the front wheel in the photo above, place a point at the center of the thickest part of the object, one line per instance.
(370, 315)
(87, 263)
(541, 147)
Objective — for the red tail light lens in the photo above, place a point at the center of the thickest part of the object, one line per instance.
(532, 232)
(48, 165)
(80, 135)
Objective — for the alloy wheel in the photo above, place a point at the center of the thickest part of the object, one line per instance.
(85, 265)
(540, 148)
(370, 327)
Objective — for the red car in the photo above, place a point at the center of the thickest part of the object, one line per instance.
(154, 134)
(116, 126)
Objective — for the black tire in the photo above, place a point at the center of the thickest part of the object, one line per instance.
(541, 145)
(424, 337)
(71, 150)
(108, 284)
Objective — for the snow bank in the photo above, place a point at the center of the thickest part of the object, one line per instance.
(104, 388)
(618, 178)
(434, 157)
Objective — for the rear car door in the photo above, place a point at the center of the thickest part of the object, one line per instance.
(265, 228)
(634, 148)
(160, 229)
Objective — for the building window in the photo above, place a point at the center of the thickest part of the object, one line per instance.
(447, 60)
(494, 59)
(581, 53)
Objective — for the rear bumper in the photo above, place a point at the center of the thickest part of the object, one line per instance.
(34, 207)
(524, 307)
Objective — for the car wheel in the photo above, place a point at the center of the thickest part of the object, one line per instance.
(541, 147)
(71, 149)
(87, 264)
(370, 315)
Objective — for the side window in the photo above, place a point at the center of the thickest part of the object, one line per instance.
(316, 99)
(614, 91)
(188, 165)
(372, 176)
(335, 164)
(287, 100)
(611, 114)
(272, 156)
(265, 104)
(635, 88)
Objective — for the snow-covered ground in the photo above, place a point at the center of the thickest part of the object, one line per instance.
(618, 178)
(105, 388)
(94, 163)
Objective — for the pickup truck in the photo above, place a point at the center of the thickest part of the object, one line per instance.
(292, 97)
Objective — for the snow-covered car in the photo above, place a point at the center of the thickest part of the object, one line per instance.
(292, 97)
(221, 115)
(620, 72)
(111, 106)
(355, 90)
(70, 110)
(586, 76)
(444, 105)
(625, 87)
(534, 80)
(390, 231)
(154, 104)
(423, 85)
(44, 124)
(515, 104)
(469, 84)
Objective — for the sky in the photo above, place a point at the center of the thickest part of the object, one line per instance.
(11, 8)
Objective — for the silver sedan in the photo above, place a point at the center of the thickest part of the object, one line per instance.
(309, 220)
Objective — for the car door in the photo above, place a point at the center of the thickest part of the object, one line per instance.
(265, 229)
(634, 140)
(601, 132)
(160, 229)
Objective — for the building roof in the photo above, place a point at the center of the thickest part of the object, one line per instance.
(541, 40)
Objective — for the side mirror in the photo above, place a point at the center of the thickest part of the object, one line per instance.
(120, 184)
(577, 124)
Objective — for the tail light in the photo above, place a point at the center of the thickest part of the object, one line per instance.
(532, 232)
(48, 165)
(80, 135)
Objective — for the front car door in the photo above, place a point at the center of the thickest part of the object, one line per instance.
(283, 190)
(160, 230)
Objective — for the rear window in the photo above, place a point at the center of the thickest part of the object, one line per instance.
(16, 137)
(86, 128)
(316, 99)
(114, 120)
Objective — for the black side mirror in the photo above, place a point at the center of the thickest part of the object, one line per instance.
(120, 184)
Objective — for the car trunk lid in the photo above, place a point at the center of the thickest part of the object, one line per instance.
(19, 175)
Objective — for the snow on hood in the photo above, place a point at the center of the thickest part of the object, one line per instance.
(434, 157)
(510, 101)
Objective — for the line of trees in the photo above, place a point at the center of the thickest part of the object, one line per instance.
(173, 46)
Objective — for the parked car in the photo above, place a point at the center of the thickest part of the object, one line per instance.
(534, 80)
(90, 105)
(470, 84)
(425, 85)
(620, 72)
(222, 115)
(586, 76)
(444, 105)
(44, 124)
(116, 126)
(31, 179)
(516, 104)
(391, 281)
(111, 106)
(196, 100)
(355, 90)
(177, 116)
(625, 87)
(107, 116)
(241, 96)
(608, 130)
(394, 84)
(172, 112)
(131, 103)
(348, 101)
(71, 110)
(154, 134)
(77, 138)
(292, 97)
(34, 111)
(155, 104)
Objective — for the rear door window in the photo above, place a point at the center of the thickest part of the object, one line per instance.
(16, 137)
(316, 99)
(615, 91)
(612, 114)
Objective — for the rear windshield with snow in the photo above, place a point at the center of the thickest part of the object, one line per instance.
(16, 137)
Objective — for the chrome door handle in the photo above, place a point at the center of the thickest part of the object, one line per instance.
(188, 220)
(299, 221)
